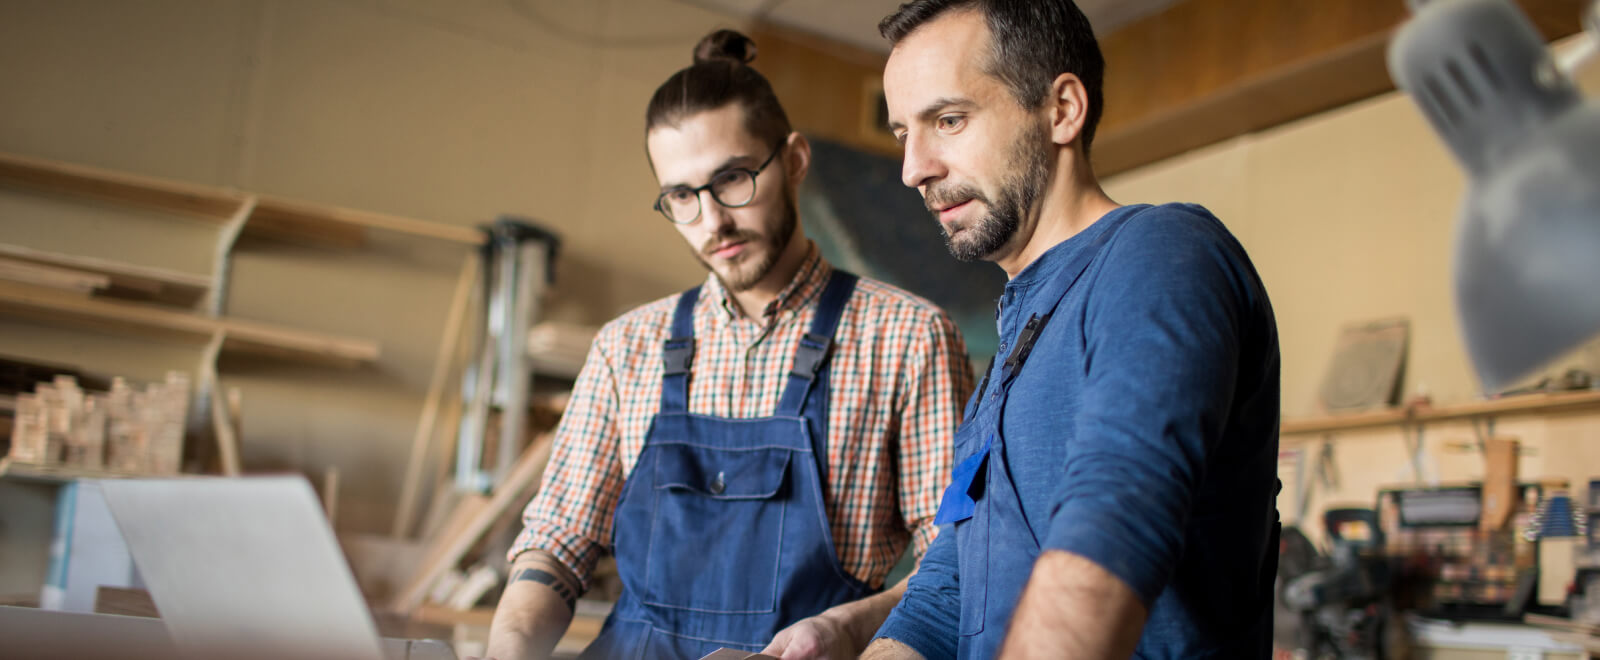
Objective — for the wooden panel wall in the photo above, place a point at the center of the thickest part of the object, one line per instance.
(829, 89)
(1198, 73)
(1207, 70)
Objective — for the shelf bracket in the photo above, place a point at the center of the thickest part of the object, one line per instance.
(222, 264)
(1416, 447)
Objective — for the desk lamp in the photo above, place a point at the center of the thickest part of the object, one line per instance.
(1527, 246)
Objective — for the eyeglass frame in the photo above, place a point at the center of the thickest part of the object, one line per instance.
(661, 208)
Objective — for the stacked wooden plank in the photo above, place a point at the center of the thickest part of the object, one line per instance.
(559, 349)
(129, 429)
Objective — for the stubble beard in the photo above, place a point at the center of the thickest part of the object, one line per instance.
(743, 274)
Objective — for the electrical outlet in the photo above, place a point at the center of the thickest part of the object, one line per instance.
(1516, 653)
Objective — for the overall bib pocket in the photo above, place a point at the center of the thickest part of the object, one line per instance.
(727, 506)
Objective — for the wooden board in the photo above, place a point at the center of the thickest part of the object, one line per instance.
(10, 469)
(448, 548)
(1528, 404)
(1499, 483)
(442, 363)
(241, 336)
(330, 495)
(51, 276)
(285, 218)
(126, 602)
(124, 279)
(1204, 71)
(40, 174)
(278, 218)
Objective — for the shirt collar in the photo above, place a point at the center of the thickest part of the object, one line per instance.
(807, 283)
(1054, 259)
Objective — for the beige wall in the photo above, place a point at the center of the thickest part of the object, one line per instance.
(453, 112)
(1349, 217)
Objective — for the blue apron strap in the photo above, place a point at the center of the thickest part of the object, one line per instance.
(677, 353)
(814, 345)
(1055, 292)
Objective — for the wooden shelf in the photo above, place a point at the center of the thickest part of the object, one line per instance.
(1525, 404)
(63, 473)
(287, 218)
(239, 336)
(39, 174)
(271, 217)
(158, 284)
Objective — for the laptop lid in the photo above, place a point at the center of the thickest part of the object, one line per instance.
(243, 567)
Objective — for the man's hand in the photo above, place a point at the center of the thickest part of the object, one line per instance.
(816, 638)
(839, 632)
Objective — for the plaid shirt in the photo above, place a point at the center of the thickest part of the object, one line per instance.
(899, 377)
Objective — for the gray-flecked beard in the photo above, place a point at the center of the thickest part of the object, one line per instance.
(1020, 188)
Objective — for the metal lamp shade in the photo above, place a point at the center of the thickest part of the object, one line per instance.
(1527, 255)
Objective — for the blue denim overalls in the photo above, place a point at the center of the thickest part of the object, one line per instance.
(982, 499)
(721, 537)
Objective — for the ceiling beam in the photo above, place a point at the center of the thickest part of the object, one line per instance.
(1204, 71)
(829, 89)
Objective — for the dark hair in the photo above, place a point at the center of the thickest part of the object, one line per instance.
(1031, 42)
(721, 75)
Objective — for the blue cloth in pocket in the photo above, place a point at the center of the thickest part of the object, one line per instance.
(958, 503)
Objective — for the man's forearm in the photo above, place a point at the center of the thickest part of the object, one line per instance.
(861, 618)
(535, 609)
(1073, 608)
(888, 649)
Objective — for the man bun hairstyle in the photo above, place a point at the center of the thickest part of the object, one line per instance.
(1030, 43)
(721, 74)
(725, 45)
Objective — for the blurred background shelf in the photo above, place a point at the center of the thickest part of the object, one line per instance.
(262, 216)
(10, 469)
(104, 275)
(1523, 404)
(240, 336)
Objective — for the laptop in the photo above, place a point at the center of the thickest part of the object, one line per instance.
(238, 567)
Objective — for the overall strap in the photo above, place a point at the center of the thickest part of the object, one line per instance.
(677, 353)
(814, 345)
(1055, 292)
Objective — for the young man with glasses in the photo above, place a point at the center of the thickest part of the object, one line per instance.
(759, 451)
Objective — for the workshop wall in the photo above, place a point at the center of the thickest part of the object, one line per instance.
(450, 112)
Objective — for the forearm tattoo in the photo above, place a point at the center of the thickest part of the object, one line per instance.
(567, 592)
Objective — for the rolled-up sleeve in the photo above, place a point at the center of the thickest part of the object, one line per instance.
(1161, 346)
(929, 613)
(570, 517)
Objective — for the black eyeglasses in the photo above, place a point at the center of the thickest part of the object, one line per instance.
(733, 187)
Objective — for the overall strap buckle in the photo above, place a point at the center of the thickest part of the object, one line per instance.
(677, 354)
(1025, 340)
(809, 356)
